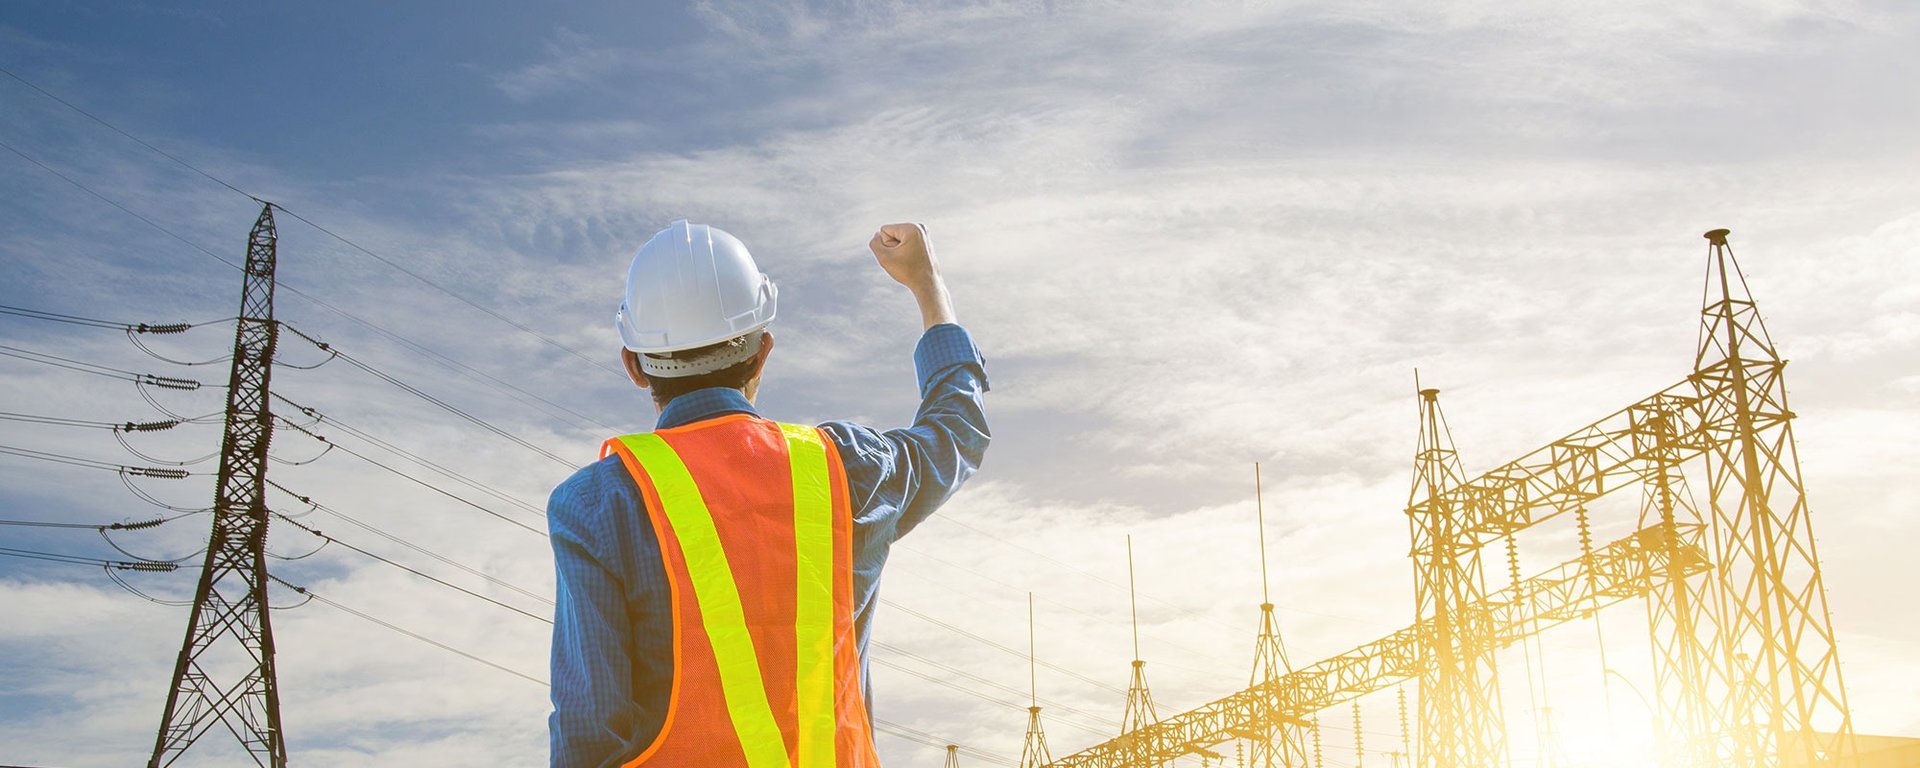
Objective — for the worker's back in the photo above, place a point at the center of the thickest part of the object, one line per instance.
(755, 531)
(717, 577)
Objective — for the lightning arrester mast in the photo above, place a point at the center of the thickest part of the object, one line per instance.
(1033, 753)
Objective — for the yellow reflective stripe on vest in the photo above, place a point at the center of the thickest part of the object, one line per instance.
(813, 603)
(719, 599)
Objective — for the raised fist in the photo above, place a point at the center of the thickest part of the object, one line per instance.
(904, 251)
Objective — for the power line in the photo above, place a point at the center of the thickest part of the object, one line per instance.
(463, 368)
(96, 526)
(410, 478)
(309, 222)
(95, 322)
(1107, 725)
(1063, 606)
(118, 426)
(116, 129)
(415, 458)
(984, 641)
(66, 362)
(409, 633)
(29, 554)
(61, 458)
(356, 522)
(165, 382)
(421, 574)
(918, 736)
(895, 729)
(436, 402)
(450, 292)
(59, 318)
(123, 209)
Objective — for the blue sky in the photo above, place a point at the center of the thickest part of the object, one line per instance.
(1189, 236)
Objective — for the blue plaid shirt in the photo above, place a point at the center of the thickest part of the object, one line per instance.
(612, 629)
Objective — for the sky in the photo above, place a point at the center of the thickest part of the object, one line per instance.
(1188, 236)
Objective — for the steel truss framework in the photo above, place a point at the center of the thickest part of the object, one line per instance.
(1630, 567)
(1745, 665)
(225, 672)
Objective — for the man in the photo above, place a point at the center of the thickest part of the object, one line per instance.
(717, 577)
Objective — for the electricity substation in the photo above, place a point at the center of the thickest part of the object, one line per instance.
(1722, 562)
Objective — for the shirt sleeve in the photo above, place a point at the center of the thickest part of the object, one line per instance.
(900, 476)
(594, 711)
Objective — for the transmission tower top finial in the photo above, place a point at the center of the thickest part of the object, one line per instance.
(1718, 236)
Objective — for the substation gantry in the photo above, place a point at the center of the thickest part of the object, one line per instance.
(1746, 673)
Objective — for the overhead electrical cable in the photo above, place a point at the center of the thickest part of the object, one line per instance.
(118, 426)
(957, 672)
(336, 605)
(96, 526)
(421, 574)
(442, 470)
(436, 402)
(116, 129)
(60, 458)
(309, 222)
(78, 560)
(415, 480)
(164, 382)
(356, 522)
(408, 477)
(919, 553)
(922, 737)
(992, 644)
(989, 698)
(467, 370)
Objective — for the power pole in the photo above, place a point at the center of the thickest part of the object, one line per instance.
(228, 630)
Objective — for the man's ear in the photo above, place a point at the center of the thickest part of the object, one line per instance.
(631, 360)
(766, 349)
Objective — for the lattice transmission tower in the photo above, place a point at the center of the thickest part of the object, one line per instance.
(225, 672)
(1460, 721)
(1790, 706)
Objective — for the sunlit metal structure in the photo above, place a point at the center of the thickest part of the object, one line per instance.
(1746, 670)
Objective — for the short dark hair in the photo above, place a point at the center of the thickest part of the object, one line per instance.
(736, 376)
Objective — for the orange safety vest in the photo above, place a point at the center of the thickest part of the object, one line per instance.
(757, 536)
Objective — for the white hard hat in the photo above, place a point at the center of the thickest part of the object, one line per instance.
(693, 286)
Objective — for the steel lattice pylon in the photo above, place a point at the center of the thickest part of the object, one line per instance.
(1460, 723)
(1789, 706)
(225, 671)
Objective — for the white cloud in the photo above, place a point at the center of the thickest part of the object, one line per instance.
(1189, 236)
(572, 59)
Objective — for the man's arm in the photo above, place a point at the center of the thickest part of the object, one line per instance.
(594, 713)
(900, 476)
